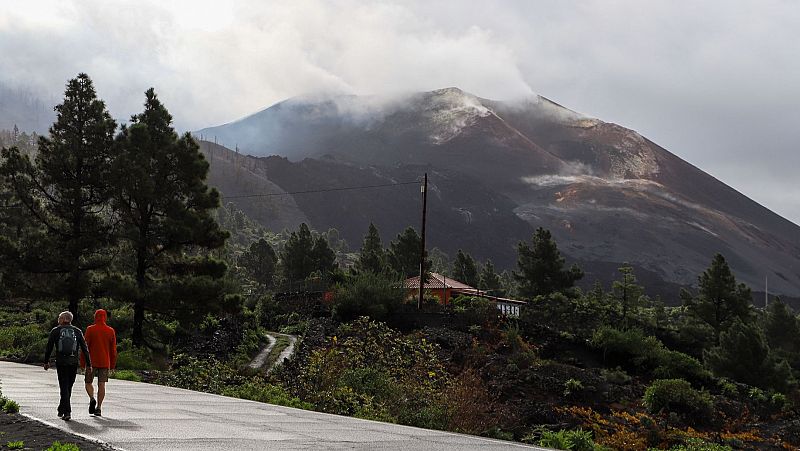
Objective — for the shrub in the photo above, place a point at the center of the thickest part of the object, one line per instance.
(572, 387)
(499, 434)
(16, 445)
(267, 393)
(677, 396)
(206, 375)
(367, 294)
(22, 342)
(728, 388)
(130, 358)
(674, 364)
(11, 406)
(475, 311)
(627, 347)
(779, 401)
(757, 394)
(616, 376)
(58, 446)
(577, 440)
(696, 444)
(126, 375)
(643, 353)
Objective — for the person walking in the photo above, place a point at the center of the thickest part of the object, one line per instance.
(102, 342)
(66, 339)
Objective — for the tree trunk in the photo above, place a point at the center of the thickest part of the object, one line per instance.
(138, 303)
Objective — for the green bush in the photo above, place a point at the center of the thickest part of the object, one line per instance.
(646, 354)
(696, 444)
(16, 445)
(130, 358)
(24, 343)
(779, 401)
(58, 446)
(267, 393)
(615, 376)
(367, 294)
(126, 375)
(757, 394)
(728, 388)
(576, 440)
(674, 364)
(11, 406)
(572, 387)
(631, 348)
(678, 396)
(475, 311)
(206, 375)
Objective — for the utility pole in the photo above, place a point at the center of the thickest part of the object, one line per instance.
(424, 190)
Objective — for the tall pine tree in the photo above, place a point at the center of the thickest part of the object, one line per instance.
(720, 300)
(67, 189)
(540, 267)
(628, 294)
(165, 208)
(305, 254)
(404, 255)
(464, 269)
(489, 279)
(372, 256)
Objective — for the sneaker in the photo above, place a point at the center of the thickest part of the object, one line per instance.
(60, 414)
(92, 405)
(66, 417)
(97, 413)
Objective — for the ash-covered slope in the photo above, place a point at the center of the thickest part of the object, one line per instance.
(608, 194)
(463, 214)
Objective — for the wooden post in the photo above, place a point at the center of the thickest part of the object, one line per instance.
(422, 247)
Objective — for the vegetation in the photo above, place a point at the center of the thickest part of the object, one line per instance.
(191, 286)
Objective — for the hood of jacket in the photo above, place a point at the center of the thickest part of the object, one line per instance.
(100, 317)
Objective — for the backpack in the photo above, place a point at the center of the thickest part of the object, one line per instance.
(67, 343)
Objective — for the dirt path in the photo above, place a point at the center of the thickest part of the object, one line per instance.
(261, 358)
(287, 351)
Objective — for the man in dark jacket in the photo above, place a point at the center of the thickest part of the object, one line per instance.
(66, 339)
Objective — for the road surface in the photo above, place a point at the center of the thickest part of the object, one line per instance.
(138, 416)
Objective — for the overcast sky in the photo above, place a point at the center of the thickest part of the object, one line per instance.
(715, 82)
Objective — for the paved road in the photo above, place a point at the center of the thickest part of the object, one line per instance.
(141, 416)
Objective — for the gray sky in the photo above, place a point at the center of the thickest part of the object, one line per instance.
(716, 82)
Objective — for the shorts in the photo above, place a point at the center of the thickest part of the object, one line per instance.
(101, 373)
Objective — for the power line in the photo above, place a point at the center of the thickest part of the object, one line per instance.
(348, 188)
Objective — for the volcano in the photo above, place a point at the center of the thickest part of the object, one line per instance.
(497, 171)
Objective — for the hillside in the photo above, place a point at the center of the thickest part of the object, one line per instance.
(608, 194)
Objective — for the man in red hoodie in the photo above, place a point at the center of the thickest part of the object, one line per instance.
(102, 343)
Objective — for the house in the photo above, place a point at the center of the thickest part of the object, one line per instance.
(446, 288)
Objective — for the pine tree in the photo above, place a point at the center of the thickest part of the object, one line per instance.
(628, 294)
(489, 279)
(464, 269)
(743, 355)
(720, 300)
(304, 255)
(67, 189)
(372, 256)
(781, 328)
(164, 207)
(404, 255)
(260, 261)
(540, 267)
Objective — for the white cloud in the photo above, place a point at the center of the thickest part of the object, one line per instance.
(715, 82)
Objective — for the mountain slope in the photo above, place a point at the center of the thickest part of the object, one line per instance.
(608, 194)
